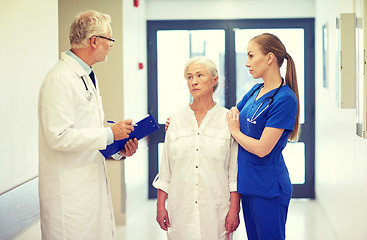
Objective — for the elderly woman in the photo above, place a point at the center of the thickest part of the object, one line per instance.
(198, 171)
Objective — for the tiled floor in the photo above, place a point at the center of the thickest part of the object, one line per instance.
(306, 221)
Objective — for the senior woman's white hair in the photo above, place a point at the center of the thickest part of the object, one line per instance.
(210, 65)
(85, 25)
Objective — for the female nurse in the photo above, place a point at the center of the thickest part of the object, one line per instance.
(262, 122)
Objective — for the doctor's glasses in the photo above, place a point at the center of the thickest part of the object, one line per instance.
(112, 40)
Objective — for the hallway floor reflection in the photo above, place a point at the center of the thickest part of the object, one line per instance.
(306, 221)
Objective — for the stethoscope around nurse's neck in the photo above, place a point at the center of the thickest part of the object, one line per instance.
(88, 94)
(254, 116)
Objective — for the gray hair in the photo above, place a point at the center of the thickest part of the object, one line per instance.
(85, 25)
(209, 64)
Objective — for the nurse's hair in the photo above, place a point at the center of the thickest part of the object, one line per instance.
(271, 43)
(209, 64)
(85, 25)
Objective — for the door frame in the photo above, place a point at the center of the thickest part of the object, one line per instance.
(306, 190)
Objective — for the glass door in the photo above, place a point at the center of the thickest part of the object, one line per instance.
(174, 48)
(172, 43)
(168, 92)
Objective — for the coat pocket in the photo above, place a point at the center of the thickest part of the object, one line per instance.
(80, 188)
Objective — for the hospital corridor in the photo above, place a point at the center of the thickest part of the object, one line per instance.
(148, 44)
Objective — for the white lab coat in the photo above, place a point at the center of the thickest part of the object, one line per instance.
(73, 188)
(198, 171)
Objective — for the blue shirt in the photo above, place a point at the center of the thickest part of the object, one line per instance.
(88, 70)
(265, 176)
(85, 66)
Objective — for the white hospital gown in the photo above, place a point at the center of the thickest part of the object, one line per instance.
(198, 171)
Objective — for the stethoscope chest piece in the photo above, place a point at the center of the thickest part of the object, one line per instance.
(251, 121)
(88, 94)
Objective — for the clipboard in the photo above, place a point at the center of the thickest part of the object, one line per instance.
(143, 128)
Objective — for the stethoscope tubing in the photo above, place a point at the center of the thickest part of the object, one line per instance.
(88, 94)
(86, 87)
(254, 117)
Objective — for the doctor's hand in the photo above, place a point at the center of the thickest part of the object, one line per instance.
(130, 148)
(122, 129)
(162, 218)
(233, 120)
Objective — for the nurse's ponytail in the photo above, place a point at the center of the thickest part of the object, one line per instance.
(291, 80)
(271, 43)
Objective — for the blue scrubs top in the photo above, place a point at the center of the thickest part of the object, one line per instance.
(267, 176)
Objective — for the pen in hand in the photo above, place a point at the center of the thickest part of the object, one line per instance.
(134, 124)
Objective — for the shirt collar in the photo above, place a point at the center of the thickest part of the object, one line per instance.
(85, 66)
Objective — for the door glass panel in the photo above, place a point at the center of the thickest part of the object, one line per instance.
(294, 157)
(174, 48)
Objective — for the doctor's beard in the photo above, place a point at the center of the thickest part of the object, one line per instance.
(101, 55)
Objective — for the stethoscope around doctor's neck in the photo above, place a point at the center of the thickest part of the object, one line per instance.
(88, 94)
(271, 98)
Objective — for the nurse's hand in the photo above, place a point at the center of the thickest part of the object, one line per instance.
(233, 120)
(235, 110)
(162, 218)
(130, 148)
(122, 129)
(167, 124)
(232, 221)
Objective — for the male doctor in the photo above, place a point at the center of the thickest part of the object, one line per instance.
(74, 193)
